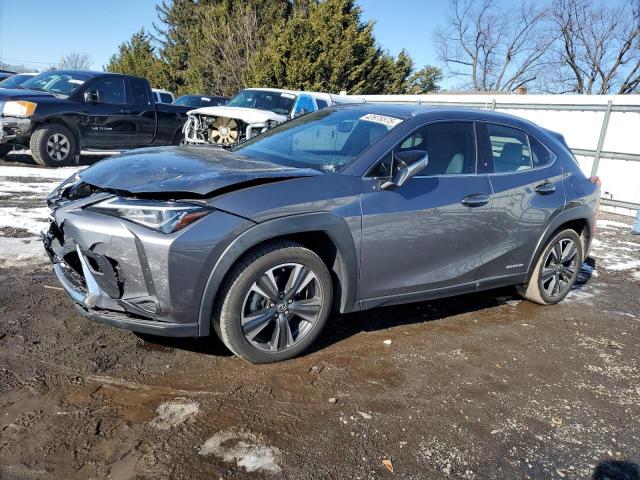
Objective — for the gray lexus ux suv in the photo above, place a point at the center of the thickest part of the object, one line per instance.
(345, 209)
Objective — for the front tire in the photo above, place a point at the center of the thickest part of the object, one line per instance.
(275, 303)
(53, 146)
(556, 270)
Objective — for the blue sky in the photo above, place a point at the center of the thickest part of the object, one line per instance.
(38, 32)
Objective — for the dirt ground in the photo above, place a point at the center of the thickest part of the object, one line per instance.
(478, 386)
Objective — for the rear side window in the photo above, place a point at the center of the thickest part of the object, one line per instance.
(510, 149)
(451, 147)
(321, 104)
(139, 92)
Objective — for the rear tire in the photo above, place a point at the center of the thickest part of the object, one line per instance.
(556, 270)
(275, 303)
(53, 146)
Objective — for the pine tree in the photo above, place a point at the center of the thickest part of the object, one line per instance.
(137, 57)
(325, 46)
(425, 80)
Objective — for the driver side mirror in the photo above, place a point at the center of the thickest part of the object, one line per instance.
(411, 163)
(91, 96)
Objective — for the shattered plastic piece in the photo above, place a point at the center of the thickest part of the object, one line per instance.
(387, 463)
(332, 400)
(387, 342)
(364, 415)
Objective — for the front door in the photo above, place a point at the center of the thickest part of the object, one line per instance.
(107, 123)
(429, 233)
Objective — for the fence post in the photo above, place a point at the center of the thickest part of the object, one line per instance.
(603, 135)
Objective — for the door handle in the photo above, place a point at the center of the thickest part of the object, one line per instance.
(476, 200)
(545, 188)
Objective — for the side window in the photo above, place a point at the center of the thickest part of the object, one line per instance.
(321, 103)
(110, 90)
(541, 155)
(139, 92)
(510, 149)
(303, 105)
(451, 147)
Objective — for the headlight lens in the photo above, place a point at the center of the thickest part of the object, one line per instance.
(19, 108)
(162, 216)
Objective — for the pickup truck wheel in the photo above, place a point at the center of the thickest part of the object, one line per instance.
(5, 149)
(53, 146)
(275, 303)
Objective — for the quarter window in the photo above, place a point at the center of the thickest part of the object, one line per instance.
(510, 149)
(540, 154)
(110, 90)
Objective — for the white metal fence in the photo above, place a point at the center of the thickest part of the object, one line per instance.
(602, 130)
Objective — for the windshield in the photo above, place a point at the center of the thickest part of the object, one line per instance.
(326, 140)
(14, 81)
(276, 102)
(59, 83)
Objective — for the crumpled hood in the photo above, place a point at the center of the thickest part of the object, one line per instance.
(247, 115)
(195, 170)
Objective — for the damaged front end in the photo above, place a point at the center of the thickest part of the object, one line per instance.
(202, 128)
(121, 259)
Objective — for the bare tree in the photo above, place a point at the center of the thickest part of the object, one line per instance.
(598, 49)
(491, 48)
(75, 61)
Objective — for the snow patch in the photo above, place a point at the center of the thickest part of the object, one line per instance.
(17, 187)
(612, 224)
(246, 449)
(172, 414)
(54, 173)
(22, 252)
(32, 219)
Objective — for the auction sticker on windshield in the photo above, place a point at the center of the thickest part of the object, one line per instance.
(389, 122)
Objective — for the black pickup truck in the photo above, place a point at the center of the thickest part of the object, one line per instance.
(58, 113)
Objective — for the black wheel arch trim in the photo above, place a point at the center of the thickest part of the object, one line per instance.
(73, 128)
(578, 212)
(345, 266)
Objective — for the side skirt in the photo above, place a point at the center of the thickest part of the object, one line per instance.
(476, 286)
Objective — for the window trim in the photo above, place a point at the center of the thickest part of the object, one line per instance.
(487, 147)
(424, 125)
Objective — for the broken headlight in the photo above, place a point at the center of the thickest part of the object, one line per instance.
(162, 216)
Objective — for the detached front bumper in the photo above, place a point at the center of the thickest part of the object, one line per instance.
(121, 274)
(14, 128)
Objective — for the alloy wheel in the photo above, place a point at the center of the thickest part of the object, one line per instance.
(281, 307)
(559, 268)
(58, 147)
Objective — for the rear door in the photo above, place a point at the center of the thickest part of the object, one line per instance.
(142, 112)
(527, 183)
(430, 233)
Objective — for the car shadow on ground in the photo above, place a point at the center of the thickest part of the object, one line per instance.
(340, 327)
(616, 470)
